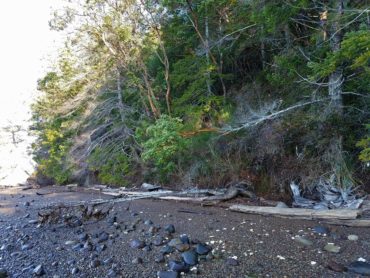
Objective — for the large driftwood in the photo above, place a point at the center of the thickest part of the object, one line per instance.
(340, 214)
(364, 223)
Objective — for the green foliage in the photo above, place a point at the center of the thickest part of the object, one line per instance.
(116, 169)
(365, 145)
(163, 145)
(120, 69)
(55, 164)
(354, 53)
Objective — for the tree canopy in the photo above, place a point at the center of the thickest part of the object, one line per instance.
(206, 93)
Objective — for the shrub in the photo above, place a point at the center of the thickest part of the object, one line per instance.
(163, 145)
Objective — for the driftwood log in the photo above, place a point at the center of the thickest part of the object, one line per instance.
(310, 214)
(360, 223)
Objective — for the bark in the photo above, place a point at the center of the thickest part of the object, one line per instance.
(150, 93)
(336, 78)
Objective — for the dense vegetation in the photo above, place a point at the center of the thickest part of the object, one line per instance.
(209, 92)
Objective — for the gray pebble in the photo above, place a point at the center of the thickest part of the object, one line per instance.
(39, 270)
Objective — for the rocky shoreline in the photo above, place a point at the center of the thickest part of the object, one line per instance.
(157, 238)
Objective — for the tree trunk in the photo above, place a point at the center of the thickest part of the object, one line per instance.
(208, 79)
(336, 78)
(119, 96)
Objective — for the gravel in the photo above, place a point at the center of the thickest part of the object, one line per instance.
(260, 246)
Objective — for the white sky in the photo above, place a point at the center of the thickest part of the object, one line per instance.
(26, 46)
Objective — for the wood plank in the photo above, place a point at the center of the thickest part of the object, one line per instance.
(343, 214)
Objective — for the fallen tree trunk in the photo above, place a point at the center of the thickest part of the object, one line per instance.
(296, 213)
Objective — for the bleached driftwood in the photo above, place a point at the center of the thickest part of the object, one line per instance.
(297, 213)
(360, 223)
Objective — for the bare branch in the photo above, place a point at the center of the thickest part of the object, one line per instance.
(271, 116)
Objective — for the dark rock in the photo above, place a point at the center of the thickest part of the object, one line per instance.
(232, 262)
(148, 222)
(83, 237)
(166, 250)
(321, 230)
(182, 247)
(95, 263)
(137, 260)
(209, 257)
(6, 247)
(75, 270)
(3, 273)
(159, 259)
(39, 270)
(138, 244)
(152, 230)
(112, 273)
(112, 220)
(168, 274)
(185, 239)
(103, 237)
(359, 268)
(174, 242)
(190, 257)
(147, 248)
(158, 241)
(178, 266)
(100, 248)
(77, 247)
(88, 246)
(108, 261)
(27, 204)
(43, 180)
(54, 263)
(202, 249)
(170, 229)
(332, 265)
